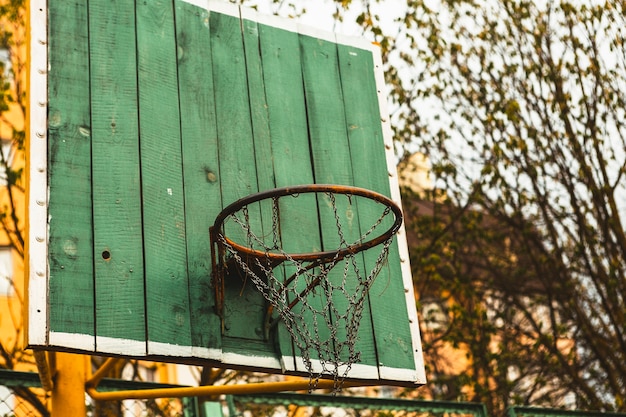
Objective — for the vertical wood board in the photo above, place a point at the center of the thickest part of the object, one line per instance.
(390, 319)
(200, 170)
(116, 187)
(280, 55)
(238, 178)
(166, 280)
(332, 164)
(70, 256)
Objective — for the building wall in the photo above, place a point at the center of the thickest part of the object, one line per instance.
(12, 205)
(11, 202)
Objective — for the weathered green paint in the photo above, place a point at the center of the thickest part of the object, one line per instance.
(181, 112)
(322, 90)
(201, 167)
(70, 256)
(280, 55)
(333, 165)
(117, 218)
(371, 172)
(257, 106)
(238, 175)
(164, 237)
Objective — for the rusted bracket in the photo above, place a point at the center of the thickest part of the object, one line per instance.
(44, 370)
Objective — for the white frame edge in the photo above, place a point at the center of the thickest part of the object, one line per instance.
(83, 342)
(204, 4)
(169, 349)
(257, 362)
(38, 319)
(386, 373)
(278, 22)
(119, 346)
(221, 6)
(357, 370)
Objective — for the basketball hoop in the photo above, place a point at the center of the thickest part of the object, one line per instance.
(287, 279)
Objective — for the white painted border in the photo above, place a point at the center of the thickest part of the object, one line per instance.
(387, 373)
(169, 349)
(76, 341)
(278, 22)
(38, 322)
(307, 30)
(267, 362)
(206, 353)
(284, 23)
(401, 374)
(218, 6)
(357, 370)
(223, 7)
(360, 43)
(203, 4)
(120, 346)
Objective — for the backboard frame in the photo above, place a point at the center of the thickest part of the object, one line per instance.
(40, 333)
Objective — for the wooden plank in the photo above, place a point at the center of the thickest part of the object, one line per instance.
(118, 257)
(280, 51)
(244, 305)
(167, 292)
(70, 256)
(263, 160)
(333, 165)
(258, 113)
(200, 170)
(387, 295)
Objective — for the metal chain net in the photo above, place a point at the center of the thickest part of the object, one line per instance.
(321, 302)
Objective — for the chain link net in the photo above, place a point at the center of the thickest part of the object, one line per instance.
(320, 302)
(12, 404)
(162, 407)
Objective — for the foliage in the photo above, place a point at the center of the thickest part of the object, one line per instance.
(519, 105)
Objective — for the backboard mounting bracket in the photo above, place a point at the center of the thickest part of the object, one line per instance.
(44, 369)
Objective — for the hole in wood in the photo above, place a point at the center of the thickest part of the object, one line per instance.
(106, 255)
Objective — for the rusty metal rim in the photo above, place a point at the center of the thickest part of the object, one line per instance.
(232, 208)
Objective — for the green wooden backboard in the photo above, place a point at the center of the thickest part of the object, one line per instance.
(160, 113)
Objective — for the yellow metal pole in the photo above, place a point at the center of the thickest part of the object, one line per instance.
(95, 379)
(68, 395)
(249, 388)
